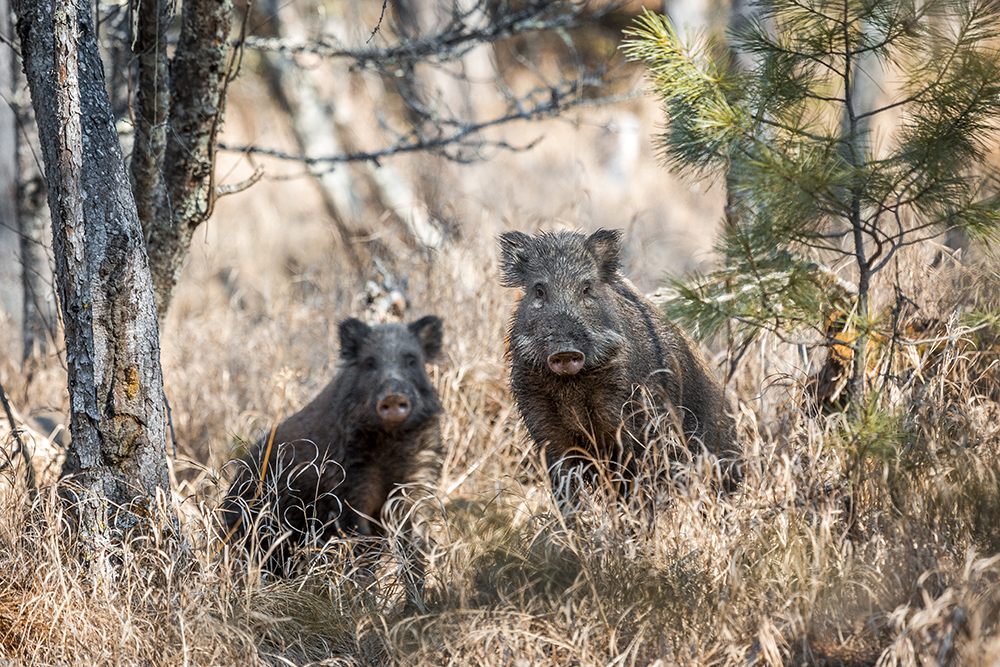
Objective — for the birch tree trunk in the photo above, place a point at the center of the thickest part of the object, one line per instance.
(117, 455)
(314, 124)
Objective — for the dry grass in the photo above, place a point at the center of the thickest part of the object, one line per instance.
(774, 574)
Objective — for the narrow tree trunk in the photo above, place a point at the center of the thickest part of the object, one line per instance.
(22, 192)
(116, 458)
(858, 372)
(315, 128)
(152, 102)
(866, 77)
(451, 90)
(8, 163)
(36, 274)
(197, 95)
(861, 81)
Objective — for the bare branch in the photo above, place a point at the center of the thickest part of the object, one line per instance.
(29, 468)
(457, 39)
(379, 24)
(224, 190)
(557, 103)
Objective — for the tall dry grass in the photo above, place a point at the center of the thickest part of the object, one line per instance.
(781, 572)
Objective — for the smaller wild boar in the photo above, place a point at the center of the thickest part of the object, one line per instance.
(329, 469)
(586, 347)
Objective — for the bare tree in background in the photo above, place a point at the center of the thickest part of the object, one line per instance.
(8, 149)
(22, 191)
(117, 459)
(179, 102)
(434, 59)
(37, 325)
(178, 108)
(116, 462)
(8, 127)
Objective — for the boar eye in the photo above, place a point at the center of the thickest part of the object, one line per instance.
(410, 361)
(369, 364)
(587, 291)
(539, 291)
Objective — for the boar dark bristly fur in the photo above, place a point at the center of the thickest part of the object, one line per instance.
(330, 468)
(585, 345)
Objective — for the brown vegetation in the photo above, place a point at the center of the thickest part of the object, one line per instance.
(772, 574)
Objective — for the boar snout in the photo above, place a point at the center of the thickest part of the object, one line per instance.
(394, 408)
(566, 362)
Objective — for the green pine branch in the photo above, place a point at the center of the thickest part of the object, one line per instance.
(773, 113)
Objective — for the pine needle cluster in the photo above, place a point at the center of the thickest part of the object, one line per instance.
(844, 132)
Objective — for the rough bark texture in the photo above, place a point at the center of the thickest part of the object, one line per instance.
(152, 102)
(197, 94)
(117, 454)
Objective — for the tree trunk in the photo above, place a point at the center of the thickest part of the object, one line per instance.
(314, 125)
(198, 76)
(460, 90)
(117, 455)
(36, 274)
(152, 102)
(862, 75)
(22, 191)
(8, 165)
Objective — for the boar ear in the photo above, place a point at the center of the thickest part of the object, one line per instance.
(428, 332)
(352, 333)
(605, 245)
(514, 248)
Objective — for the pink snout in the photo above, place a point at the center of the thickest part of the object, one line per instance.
(568, 362)
(394, 408)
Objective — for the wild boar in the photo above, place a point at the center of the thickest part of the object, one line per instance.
(330, 469)
(586, 349)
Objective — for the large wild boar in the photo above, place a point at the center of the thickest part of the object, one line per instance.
(329, 469)
(586, 348)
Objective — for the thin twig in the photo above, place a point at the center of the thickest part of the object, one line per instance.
(379, 24)
(450, 44)
(557, 103)
(233, 188)
(170, 423)
(30, 472)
